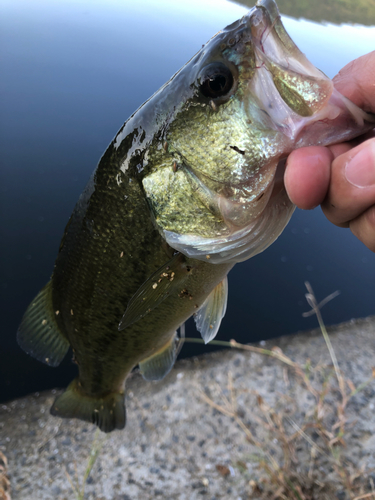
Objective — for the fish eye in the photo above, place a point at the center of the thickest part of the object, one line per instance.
(216, 80)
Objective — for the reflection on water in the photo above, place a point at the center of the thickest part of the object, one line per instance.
(332, 11)
(72, 73)
(328, 46)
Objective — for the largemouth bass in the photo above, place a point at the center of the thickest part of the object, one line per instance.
(191, 185)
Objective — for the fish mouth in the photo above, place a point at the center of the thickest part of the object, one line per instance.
(287, 93)
(278, 184)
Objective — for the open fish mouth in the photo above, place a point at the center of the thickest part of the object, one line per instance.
(289, 94)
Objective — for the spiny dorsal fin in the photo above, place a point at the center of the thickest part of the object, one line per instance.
(160, 364)
(107, 412)
(158, 287)
(39, 334)
(209, 316)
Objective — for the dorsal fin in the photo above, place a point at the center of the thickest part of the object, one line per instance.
(39, 334)
(209, 316)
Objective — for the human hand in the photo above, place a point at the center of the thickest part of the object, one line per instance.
(341, 178)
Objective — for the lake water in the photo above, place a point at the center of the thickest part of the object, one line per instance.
(72, 72)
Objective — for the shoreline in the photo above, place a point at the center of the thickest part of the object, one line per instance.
(206, 428)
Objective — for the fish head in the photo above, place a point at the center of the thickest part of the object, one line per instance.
(249, 97)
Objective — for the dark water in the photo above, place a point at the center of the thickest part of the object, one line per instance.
(72, 72)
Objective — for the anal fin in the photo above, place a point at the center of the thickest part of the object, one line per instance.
(39, 334)
(107, 412)
(209, 316)
(160, 364)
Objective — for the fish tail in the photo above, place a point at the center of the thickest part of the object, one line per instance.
(107, 412)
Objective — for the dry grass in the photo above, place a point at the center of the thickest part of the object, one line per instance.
(4, 480)
(304, 461)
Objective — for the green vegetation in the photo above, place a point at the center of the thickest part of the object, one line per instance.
(331, 11)
(78, 486)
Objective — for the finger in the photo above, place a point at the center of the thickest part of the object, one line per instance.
(307, 176)
(363, 227)
(343, 147)
(356, 81)
(340, 149)
(352, 186)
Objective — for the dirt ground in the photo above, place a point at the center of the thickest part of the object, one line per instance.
(234, 424)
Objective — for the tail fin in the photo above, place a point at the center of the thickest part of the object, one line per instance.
(108, 412)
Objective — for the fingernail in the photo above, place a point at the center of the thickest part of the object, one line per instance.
(360, 171)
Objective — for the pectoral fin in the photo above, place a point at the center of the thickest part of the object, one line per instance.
(39, 334)
(209, 316)
(160, 364)
(158, 287)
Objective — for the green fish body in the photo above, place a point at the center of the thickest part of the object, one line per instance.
(190, 185)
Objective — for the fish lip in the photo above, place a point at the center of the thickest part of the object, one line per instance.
(271, 7)
(264, 10)
(279, 177)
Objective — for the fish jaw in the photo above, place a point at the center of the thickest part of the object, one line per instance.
(290, 95)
